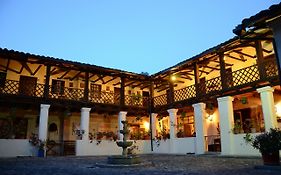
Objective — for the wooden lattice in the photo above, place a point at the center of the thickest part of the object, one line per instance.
(39, 90)
(135, 100)
(160, 100)
(73, 94)
(246, 75)
(185, 93)
(270, 68)
(102, 97)
(213, 85)
(11, 87)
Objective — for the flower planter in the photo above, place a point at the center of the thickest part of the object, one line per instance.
(40, 153)
(272, 159)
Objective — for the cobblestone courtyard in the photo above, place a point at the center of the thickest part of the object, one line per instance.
(161, 164)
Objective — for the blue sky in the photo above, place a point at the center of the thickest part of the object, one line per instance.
(132, 35)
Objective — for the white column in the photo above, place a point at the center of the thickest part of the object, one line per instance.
(199, 115)
(85, 120)
(226, 124)
(173, 129)
(153, 124)
(121, 117)
(43, 122)
(173, 122)
(268, 108)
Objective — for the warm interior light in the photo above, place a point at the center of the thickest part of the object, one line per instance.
(173, 78)
(146, 126)
(278, 109)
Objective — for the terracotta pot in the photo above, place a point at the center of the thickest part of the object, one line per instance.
(272, 159)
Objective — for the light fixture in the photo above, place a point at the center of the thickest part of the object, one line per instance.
(146, 125)
(173, 78)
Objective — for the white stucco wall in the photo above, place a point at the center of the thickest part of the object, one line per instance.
(107, 147)
(181, 146)
(16, 147)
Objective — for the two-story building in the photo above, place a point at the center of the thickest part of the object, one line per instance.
(203, 104)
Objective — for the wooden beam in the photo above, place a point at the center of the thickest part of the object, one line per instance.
(86, 88)
(36, 70)
(75, 76)
(10, 69)
(91, 76)
(61, 77)
(117, 83)
(143, 87)
(213, 68)
(264, 50)
(130, 83)
(137, 84)
(239, 59)
(260, 59)
(245, 54)
(99, 78)
(122, 92)
(7, 66)
(222, 70)
(53, 70)
(26, 67)
(47, 81)
(110, 80)
(227, 64)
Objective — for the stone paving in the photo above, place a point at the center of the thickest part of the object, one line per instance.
(161, 164)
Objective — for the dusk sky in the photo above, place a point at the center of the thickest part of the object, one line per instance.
(132, 35)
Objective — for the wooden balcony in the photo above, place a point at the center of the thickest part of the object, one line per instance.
(239, 81)
(13, 88)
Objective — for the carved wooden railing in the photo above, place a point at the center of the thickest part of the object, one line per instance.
(66, 93)
(10, 87)
(270, 68)
(136, 100)
(243, 77)
(160, 100)
(185, 93)
(104, 97)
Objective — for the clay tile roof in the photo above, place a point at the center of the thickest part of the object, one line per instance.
(259, 18)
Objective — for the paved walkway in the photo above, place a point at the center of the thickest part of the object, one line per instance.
(161, 164)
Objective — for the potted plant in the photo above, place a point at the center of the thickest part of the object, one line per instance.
(35, 141)
(269, 144)
(237, 128)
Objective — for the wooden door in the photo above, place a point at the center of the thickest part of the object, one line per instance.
(117, 94)
(202, 85)
(145, 99)
(27, 85)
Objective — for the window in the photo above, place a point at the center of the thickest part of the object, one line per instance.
(58, 87)
(2, 79)
(95, 90)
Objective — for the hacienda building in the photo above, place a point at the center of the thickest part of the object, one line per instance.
(204, 104)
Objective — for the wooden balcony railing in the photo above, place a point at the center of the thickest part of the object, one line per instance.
(241, 78)
(185, 93)
(136, 100)
(104, 97)
(160, 100)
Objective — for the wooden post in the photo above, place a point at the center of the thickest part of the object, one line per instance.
(47, 81)
(171, 94)
(122, 93)
(61, 133)
(222, 71)
(86, 88)
(260, 60)
(196, 78)
(150, 109)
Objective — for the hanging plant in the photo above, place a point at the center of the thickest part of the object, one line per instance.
(244, 100)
